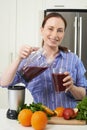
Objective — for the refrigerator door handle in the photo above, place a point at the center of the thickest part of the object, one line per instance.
(80, 38)
(75, 42)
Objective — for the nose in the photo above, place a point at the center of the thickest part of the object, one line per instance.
(55, 34)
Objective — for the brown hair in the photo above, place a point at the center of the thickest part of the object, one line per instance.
(57, 15)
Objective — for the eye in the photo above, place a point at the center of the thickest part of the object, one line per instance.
(60, 30)
(51, 29)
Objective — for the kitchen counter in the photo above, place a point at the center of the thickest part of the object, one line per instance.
(8, 124)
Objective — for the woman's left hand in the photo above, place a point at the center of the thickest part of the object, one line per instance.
(68, 81)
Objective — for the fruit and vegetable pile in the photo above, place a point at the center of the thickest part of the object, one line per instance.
(37, 114)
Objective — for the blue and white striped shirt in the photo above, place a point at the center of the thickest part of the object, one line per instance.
(42, 88)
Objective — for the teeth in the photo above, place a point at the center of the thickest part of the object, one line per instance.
(53, 40)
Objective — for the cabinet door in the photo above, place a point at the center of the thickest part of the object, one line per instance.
(7, 32)
(4, 34)
(68, 4)
(7, 41)
(76, 4)
(29, 16)
(51, 4)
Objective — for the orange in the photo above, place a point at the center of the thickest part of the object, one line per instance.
(48, 110)
(24, 117)
(59, 111)
(39, 120)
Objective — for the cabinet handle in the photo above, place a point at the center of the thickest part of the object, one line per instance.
(75, 42)
(58, 5)
(80, 45)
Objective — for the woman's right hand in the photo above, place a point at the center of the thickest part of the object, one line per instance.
(25, 51)
(8, 75)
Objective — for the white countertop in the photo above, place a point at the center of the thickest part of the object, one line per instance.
(8, 124)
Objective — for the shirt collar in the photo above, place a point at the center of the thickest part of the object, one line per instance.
(61, 53)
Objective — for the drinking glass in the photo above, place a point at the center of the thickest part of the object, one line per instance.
(29, 70)
(58, 76)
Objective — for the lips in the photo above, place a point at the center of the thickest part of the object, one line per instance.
(54, 41)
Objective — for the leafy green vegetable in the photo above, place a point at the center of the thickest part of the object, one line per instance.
(34, 107)
(82, 109)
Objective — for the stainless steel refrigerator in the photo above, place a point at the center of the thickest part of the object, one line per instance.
(76, 33)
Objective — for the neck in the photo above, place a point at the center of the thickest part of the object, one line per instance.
(51, 52)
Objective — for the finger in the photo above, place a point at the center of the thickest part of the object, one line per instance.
(35, 48)
(67, 89)
(69, 83)
(66, 73)
(67, 78)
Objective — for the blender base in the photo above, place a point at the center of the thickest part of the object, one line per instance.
(12, 114)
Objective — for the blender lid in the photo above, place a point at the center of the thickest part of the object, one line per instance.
(16, 87)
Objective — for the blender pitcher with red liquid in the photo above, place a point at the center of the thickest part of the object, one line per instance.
(28, 72)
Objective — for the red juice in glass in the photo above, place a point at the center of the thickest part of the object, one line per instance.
(58, 81)
(28, 73)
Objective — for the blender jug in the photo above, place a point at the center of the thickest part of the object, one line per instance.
(16, 97)
(30, 70)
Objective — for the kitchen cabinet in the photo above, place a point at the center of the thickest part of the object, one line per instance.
(29, 16)
(56, 4)
(7, 32)
(50, 4)
(28, 20)
(76, 4)
(7, 40)
(19, 24)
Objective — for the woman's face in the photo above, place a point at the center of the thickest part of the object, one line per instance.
(53, 32)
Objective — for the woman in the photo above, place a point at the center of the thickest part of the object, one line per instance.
(42, 88)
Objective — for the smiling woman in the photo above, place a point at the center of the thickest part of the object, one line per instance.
(52, 29)
(42, 87)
